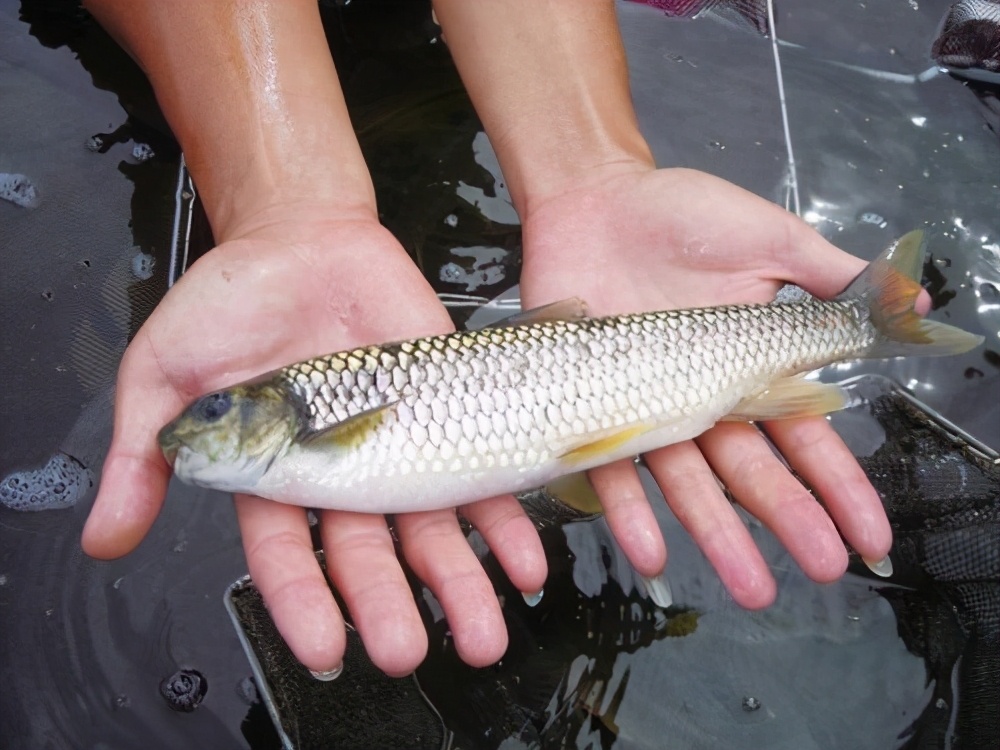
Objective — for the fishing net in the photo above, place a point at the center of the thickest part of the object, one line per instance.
(559, 686)
(943, 499)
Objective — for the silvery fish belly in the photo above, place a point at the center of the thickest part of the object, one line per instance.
(442, 421)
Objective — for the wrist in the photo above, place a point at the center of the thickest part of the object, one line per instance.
(251, 93)
(550, 83)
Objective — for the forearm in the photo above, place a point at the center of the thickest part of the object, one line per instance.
(549, 80)
(250, 91)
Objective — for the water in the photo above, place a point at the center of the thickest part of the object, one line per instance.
(87, 645)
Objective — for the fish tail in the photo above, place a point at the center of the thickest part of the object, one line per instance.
(889, 288)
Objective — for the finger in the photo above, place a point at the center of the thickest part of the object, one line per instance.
(512, 538)
(820, 267)
(438, 553)
(811, 262)
(745, 463)
(135, 474)
(630, 516)
(284, 568)
(816, 452)
(361, 561)
(695, 498)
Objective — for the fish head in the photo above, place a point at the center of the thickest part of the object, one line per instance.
(227, 440)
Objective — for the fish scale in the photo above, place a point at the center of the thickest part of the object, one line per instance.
(530, 392)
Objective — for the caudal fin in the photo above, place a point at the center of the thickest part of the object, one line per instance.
(890, 286)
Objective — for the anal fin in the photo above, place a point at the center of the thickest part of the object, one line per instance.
(576, 491)
(788, 398)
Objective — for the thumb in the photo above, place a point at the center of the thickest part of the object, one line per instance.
(814, 264)
(135, 474)
(823, 269)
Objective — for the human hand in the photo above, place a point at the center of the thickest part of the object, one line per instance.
(629, 239)
(282, 292)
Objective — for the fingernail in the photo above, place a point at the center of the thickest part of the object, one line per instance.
(328, 676)
(533, 599)
(659, 590)
(881, 567)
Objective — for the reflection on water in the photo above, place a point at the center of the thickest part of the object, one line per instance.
(88, 645)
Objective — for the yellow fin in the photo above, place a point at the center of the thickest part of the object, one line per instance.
(351, 432)
(573, 308)
(604, 445)
(788, 398)
(576, 491)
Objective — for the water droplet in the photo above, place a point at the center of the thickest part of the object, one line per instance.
(142, 152)
(95, 143)
(3, 580)
(942, 262)
(717, 145)
(750, 703)
(246, 689)
(989, 293)
(452, 273)
(914, 5)
(941, 703)
(451, 220)
(118, 582)
(18, 189)
(959, 137)
(919, 121)
(143, 265)
(184, 690)
(122, 701)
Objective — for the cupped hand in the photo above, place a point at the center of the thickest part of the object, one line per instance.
(283, 292)
(642, 239)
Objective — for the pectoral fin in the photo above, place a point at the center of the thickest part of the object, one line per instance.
(351, 432)
(788, 398)
(605, 445)
(573, 308)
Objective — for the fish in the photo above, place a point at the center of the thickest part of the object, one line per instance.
(442, 421)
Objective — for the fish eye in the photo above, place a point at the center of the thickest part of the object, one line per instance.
(213, 406)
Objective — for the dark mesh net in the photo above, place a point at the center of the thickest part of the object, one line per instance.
(943, 499)
(361, 709)
(970, 36)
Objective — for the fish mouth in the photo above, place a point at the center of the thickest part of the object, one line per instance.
(169, 444)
